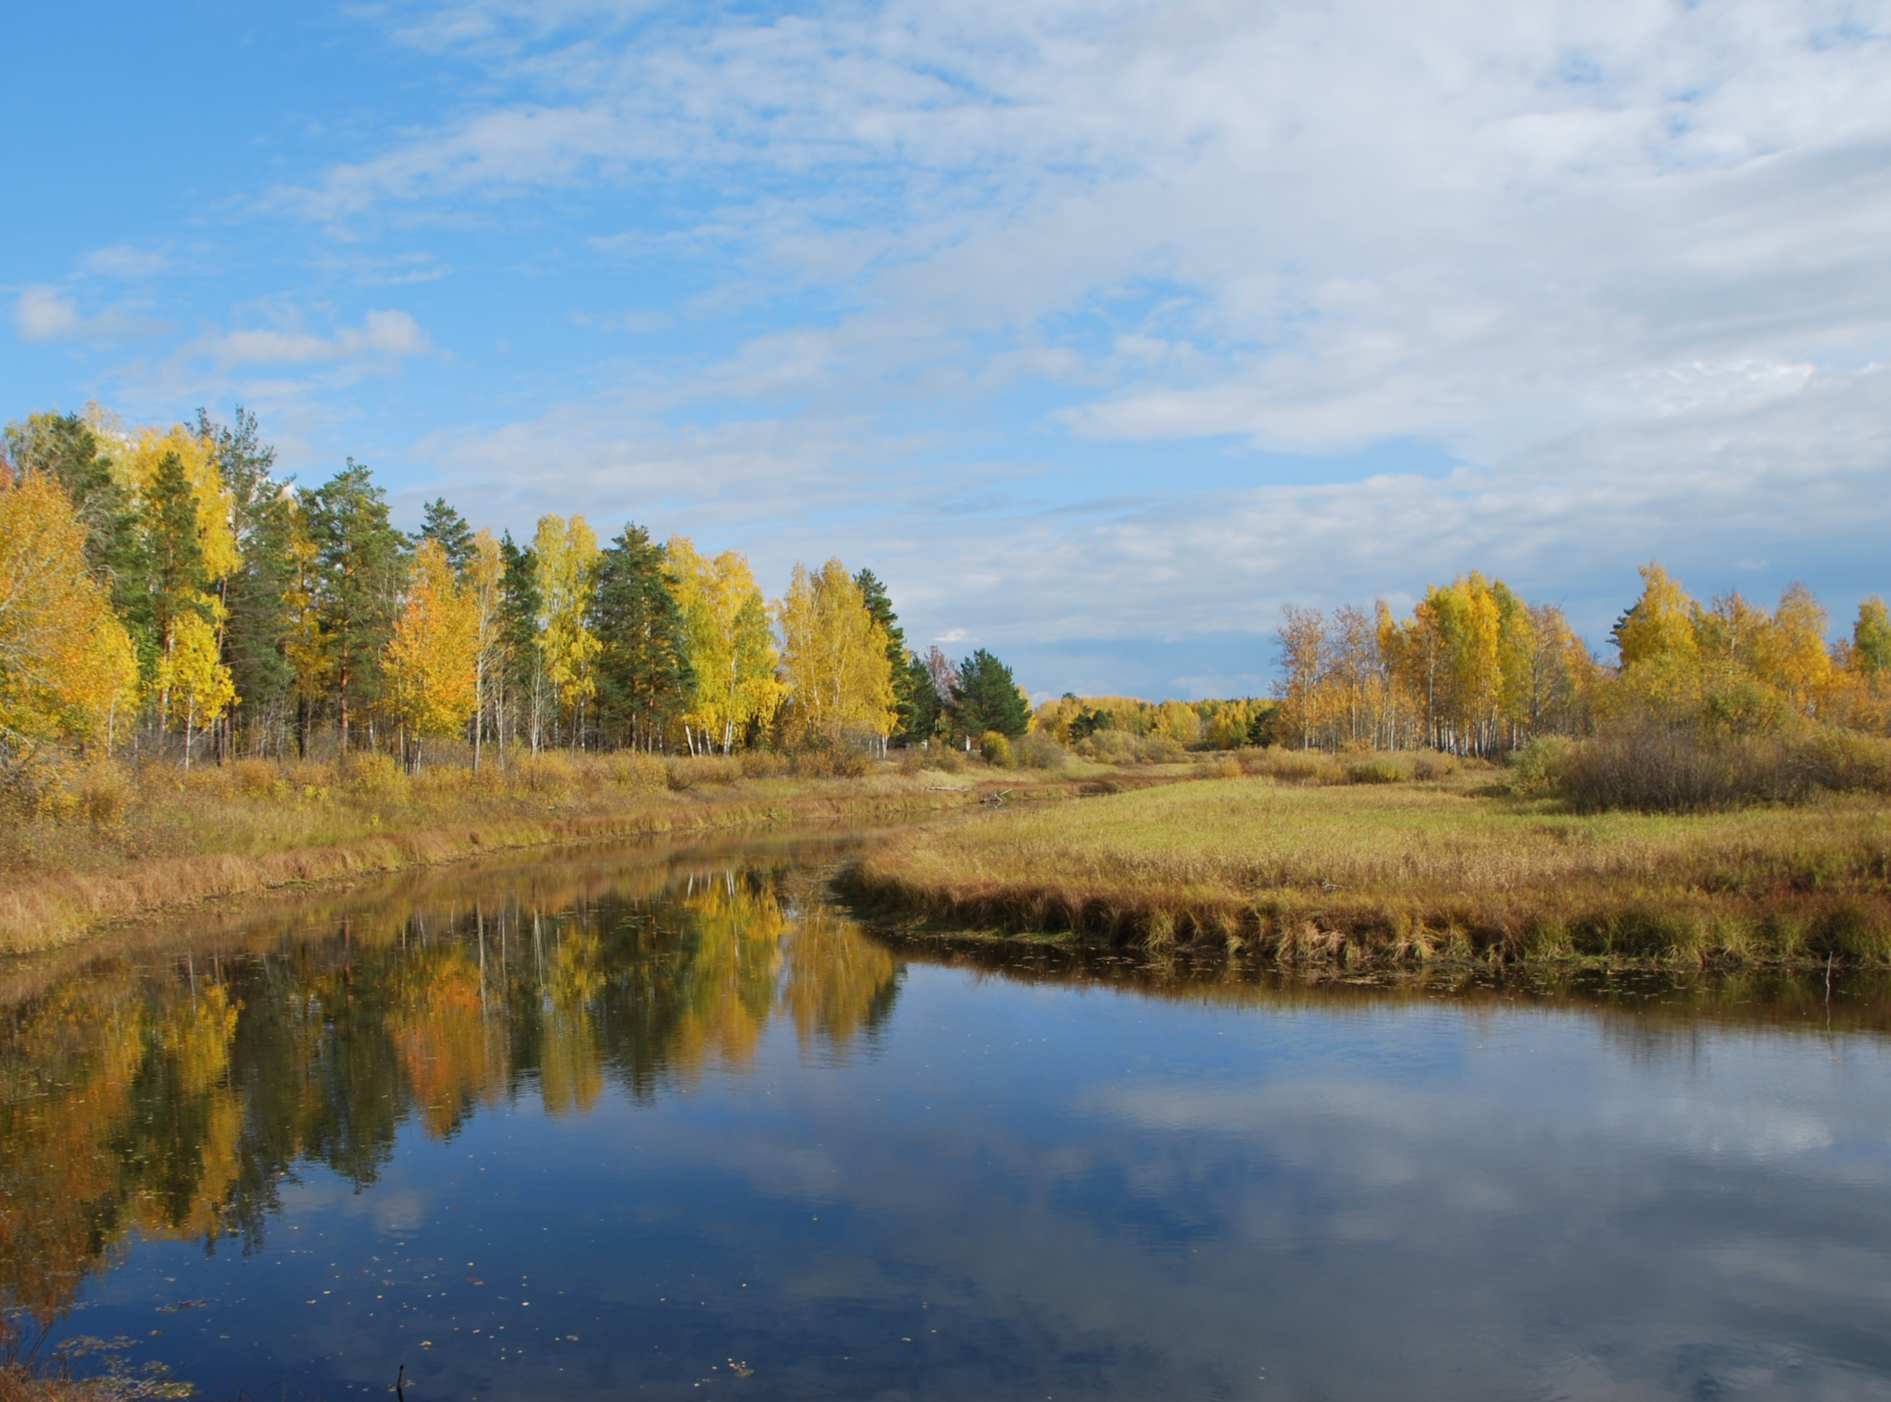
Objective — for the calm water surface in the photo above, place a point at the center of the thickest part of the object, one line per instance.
(670, 1125)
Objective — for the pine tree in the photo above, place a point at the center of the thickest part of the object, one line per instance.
(442, 523)
(522, 675)
(258, 614)
(644, 677)
(916, 711)
(359, 560)
(986, 697)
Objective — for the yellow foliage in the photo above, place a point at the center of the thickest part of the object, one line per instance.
(834, 656)
(432, 659)
(731, 650)
(567, 550)
(65, 660)
(135, 460)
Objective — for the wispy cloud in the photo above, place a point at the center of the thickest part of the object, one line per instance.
(382, 335)
(42, 314)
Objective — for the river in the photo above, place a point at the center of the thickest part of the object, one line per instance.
(668, 1123)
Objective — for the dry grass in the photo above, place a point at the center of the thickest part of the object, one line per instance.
(1311, 870)
(97, 843)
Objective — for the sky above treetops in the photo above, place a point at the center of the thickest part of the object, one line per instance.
(1097, 328)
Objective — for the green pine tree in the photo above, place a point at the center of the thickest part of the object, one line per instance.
(361, 559)
(445, 525)
(644, 677)
(987, 698)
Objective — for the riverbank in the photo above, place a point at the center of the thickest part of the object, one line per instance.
(1403, 873)
(113, 845)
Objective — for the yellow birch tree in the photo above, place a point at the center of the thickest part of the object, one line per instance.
(834, 658)
(432, 657)
(731, 647)
(191, 676)
(65, 660)
(567, 554)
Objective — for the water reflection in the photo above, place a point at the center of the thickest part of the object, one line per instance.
(669, 1123)
(170, 1101)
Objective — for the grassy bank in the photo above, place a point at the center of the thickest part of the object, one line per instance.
(1407, 872)
(107, 843)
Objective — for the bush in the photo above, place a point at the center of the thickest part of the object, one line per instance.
(1376, 769)
(841, 762)
(763, 764)
(104, 792)
(1433, 764)
(946, 759)
(1039, 750)
(1122, 747)
(1292, 766)
(996, 749)
(1537, 768)
(373, 778)
(639, 773)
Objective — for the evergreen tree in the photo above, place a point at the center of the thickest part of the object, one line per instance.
(987, 698)
(176, 577)
(443, 524)
(644, 675)
(359, 563)
(912, 720)
(258, 614)
(922, 705)
(63, 447)
(521, 680)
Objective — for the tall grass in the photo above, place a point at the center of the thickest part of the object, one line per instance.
(91, 841)
(1654, 768)
(1334, 873)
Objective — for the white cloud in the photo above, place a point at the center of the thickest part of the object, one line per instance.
(381, 335)
(41, 314)
(1628, 262)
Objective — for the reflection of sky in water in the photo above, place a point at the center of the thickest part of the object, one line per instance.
(1051, 1190)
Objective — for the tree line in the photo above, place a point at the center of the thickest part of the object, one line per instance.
(165, 590)
(1475, 669)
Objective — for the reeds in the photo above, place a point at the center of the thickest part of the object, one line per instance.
(96, 842)
(1307, 872)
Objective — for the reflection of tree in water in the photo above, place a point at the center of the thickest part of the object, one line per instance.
(173, 1102)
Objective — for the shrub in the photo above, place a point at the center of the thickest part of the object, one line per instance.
(1376, 769)
(373, 778)
(763, 764)
(639, 773)
(1291, 766)
(997, 749)
(1038, 750)
(946, 759)
(1433, 764)
(104, 792)
(1122, 747)
(830, 763)
(1537, 767)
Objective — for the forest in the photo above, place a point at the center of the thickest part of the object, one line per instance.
(165, 593)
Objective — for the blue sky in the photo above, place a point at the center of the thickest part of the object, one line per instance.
(1099, 329)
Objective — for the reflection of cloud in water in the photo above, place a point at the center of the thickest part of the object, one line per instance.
(1170, 1192)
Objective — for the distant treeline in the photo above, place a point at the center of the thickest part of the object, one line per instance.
(1477, 670)
(163, 590)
